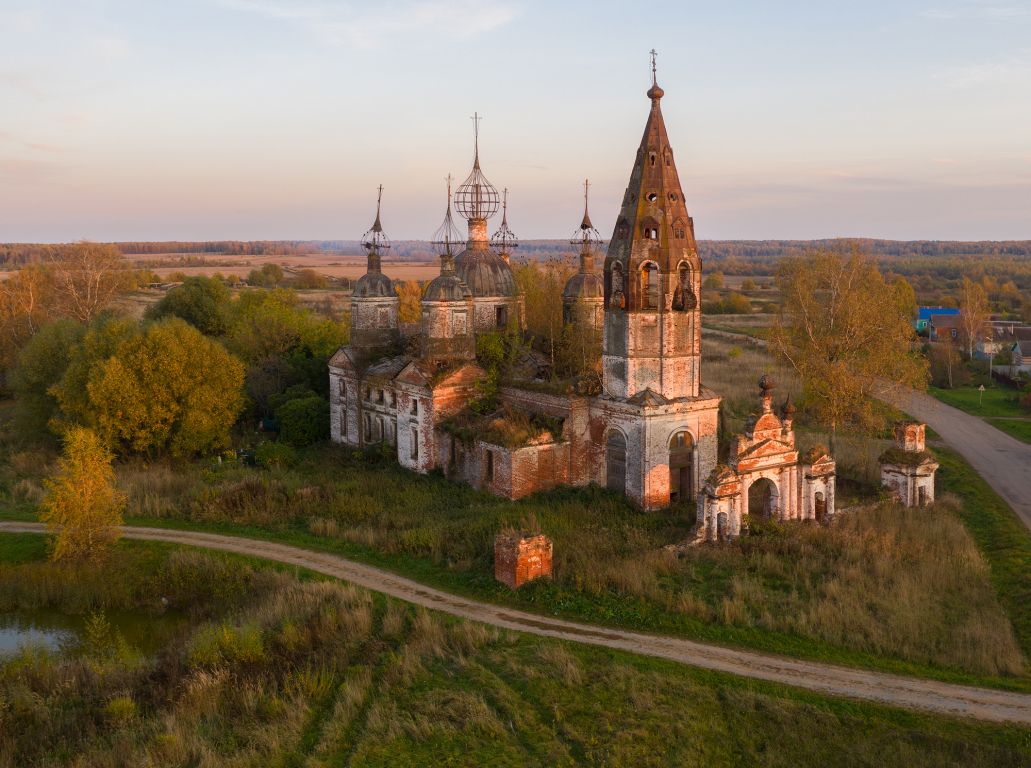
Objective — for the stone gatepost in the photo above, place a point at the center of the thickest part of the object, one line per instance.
(521, 557)
(908, 468)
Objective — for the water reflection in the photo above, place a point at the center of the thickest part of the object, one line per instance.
(65, 633)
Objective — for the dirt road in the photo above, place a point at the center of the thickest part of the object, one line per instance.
(943, 698)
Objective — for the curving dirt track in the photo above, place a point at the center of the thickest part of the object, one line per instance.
(929, 695)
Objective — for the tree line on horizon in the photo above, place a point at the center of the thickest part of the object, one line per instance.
(727, 255)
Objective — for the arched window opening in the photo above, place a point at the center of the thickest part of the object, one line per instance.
(617, 296)
(652, 197)
(651, 158)
(683, 296)
(615, 462)
(681, 467)
(649, 285)
(763, 499)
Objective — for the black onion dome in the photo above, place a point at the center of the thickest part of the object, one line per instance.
(446, 287)
(584, 285)
(373, 285)
(486, 273)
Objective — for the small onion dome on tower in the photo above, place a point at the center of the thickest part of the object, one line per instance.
(374, 283)
(447, 303)
(586, 283)
(448, 286)
(504, 240)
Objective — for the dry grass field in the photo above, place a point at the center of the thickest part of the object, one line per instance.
(328, 264)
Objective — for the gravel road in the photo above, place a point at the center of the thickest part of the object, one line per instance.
(928, 695)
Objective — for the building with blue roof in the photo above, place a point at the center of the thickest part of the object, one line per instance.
(923, 315)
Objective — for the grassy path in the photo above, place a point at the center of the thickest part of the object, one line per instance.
(928, 695)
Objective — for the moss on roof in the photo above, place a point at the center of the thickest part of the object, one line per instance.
(508, 427)
(899, 457)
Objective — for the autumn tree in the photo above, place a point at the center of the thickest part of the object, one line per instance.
(99, 343)
(309, 279)
(973, 312)
(541, 286)
(713, 281)
(41, 365)
(846, 332)
(409, 294)
(27, 302)
(580, 343)
(83, 508)
(282, 343)
(169, 390)
(945, 361)
(87, 277)
(203, 302)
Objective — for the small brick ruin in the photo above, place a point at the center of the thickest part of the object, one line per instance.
(521, 557)
(908, 468)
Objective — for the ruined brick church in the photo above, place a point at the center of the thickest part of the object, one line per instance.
(645, 427)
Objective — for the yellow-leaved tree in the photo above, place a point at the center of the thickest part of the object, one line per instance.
(82, 508)
(847, 332)
(169, 389)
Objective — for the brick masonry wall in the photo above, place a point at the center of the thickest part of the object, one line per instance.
(519, 558)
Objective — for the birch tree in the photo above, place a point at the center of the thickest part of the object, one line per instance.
(846, 332)
(973, 312)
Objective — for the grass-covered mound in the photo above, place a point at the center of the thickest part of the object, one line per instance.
(276, 671)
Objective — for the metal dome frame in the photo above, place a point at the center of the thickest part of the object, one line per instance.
(476, 198)
(504, 240)
(375, 239)
(447, 233)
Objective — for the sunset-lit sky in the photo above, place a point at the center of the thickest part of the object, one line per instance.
(276, 119)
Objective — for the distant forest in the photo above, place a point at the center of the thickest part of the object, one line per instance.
(924, 262)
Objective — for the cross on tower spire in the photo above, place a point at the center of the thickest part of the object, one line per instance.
(476, 138)
(377, 227)
(653, 54)
(586, 224)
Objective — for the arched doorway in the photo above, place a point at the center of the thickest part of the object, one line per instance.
(820, 506)
(763, 499)
(681, 467)
(615, 462)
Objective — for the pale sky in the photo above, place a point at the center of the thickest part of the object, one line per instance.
(277, 119)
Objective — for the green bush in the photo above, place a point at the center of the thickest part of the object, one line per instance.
(275, 455)
(303, 421)
(225, 646)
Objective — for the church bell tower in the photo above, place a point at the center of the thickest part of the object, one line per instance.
(652, 335)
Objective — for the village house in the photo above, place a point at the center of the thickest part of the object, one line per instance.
(1021, 351)
(643, 424)
(924, 314)
(945, 326)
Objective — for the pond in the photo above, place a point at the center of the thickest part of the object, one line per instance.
(64, 632)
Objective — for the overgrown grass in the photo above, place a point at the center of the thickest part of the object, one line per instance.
(1000, 535)
(318, 673)
(882, 582)
(999, 406)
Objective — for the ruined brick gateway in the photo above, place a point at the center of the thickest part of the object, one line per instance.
(647, 429)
